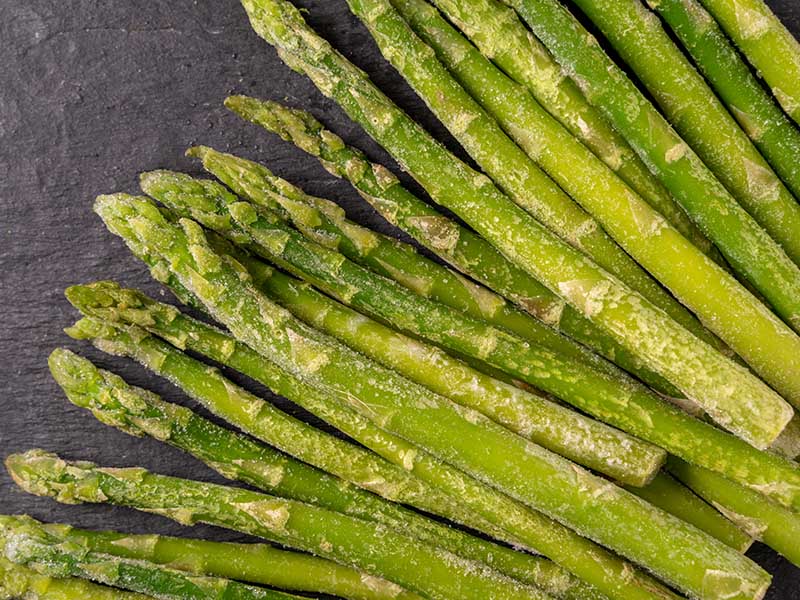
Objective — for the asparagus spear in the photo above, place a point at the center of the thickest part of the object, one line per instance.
(523, 527)
(238, 457)
(612, 398)
(548, 424)
(756, 112)
(727, 391)
(667, 493)
(17, 582)
(766, 43)
(764, 520)
(699, 116)
(500, 35)
(502, 159)
(26, 543)
(573, 166)
(458, 435)
(325, 221)
(373, 548)
(746, 246)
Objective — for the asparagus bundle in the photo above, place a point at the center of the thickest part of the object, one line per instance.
(324, 221)
(764, 520)
(523, 527)
(238, 457)
(375, 549)
(253, 563)
(561, 430)
(766, 43)
(17, 582)
(599, 393)
(27, 544)
(735, 399)
(699, 116)
(502, 159)
(497, 31)
(572, 165)
(756, 112)
(746, 246)
(461, 436)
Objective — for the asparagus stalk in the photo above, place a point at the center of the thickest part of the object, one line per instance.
(17, 582)
(746, 246)
(238, 457)
(699, 116)
(728, 392)
(570, 163)
(466, 439)
(667, 493)
(559, 429)
(766, 43)
(523, 527)
(374, 549)
(538, 316)
(500, 35)
(253, 563)
(502, 159)
(611, 398)
(27, 544)
(756, 112)
(764, 520)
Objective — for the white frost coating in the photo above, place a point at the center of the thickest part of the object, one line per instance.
(307, 356)
(761, 182)
(752, 23)
(409, 457)
(376, 584)
(272, 514)
(588, 294)
(724, 584)
(440, 232)
(677, 152)
(753, 527)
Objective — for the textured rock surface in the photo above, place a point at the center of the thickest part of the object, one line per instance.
(93, 92)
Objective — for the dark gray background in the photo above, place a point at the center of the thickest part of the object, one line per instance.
(91, 94)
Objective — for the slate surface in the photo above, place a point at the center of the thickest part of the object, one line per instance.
(91, 93)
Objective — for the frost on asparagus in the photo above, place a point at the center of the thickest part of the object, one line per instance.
(408, 410)
(376, 549)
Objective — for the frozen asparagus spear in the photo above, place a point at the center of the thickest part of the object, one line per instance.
(375, 549)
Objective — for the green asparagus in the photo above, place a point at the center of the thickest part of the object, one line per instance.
(325, 222)
(238, 457)
(699, 116)
(18, 582)
(463, 437)
(757, 113)
(26, 543)
(764, 520)
(548, 424)
(573, 166)
(253, 563)
(500, 35)
(732, 395)
(373, 548)
(766, 43)
(523, 527)
(746, 246)
(611, 398)
(665, 492)
(502, 159)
